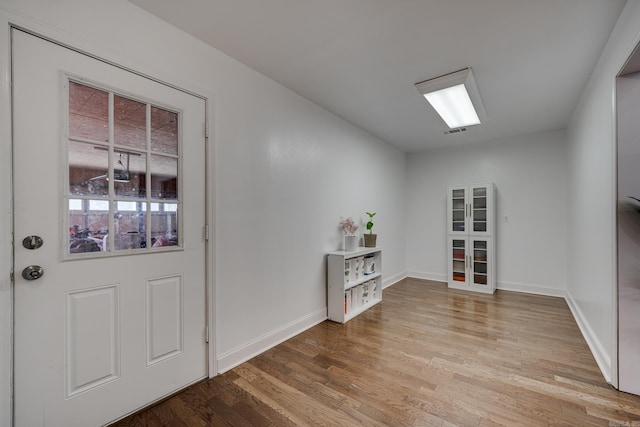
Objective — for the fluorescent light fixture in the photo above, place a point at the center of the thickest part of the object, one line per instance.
(455, 98)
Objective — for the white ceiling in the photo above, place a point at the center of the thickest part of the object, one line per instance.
(360, 58)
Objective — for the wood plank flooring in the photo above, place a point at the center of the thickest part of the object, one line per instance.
(425, 356)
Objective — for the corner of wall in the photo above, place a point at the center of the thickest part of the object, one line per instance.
(247, 351)
(597, 349)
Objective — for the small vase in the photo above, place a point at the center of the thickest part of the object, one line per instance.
(350, 243)
(370, 240)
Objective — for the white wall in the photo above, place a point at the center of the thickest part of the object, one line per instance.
(591, 278)
(285, 171)
(283, 185)
(530, 177)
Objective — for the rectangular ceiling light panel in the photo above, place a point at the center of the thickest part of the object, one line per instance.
(454, 106)
(455, 97)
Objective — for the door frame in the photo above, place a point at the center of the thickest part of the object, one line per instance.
(630, 64)
(9, 20)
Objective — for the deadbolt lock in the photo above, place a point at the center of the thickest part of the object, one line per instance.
(32, 242)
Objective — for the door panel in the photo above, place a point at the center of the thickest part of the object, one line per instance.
(458, 257)
(104, 332)
(457, 210)
(481, 209)
(481, 264)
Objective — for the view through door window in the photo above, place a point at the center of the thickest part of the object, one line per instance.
(123, 173)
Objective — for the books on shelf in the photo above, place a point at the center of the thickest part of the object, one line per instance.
(357, 268)
(359, 261)
(354, 282)
(369, 265)
(360, 296)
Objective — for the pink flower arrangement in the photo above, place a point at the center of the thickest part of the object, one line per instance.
(348, 226)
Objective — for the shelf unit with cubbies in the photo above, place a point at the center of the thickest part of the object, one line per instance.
(354, 282)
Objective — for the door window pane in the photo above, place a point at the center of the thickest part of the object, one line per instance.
(130, 122)
(164, 131)
(130, 226)
(130, 174)
(88, 166)
(116, 185)
(164, 174)
(87, 226)
(164, 225)
(88, 112)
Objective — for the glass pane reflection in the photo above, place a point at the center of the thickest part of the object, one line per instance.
(479, 192)
(88, 112)
(130, 175)
(88, 165)
(164, 224)
(130, 122)
(164, 173)
(120, 179)
(130, 226)
(88, 226)
(164, 131)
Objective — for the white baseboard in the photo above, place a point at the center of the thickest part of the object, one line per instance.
(238, 355)
(241, 354)
(516, 287)
(428, 276)
(386, 282)
(531, 289)
(597, 349)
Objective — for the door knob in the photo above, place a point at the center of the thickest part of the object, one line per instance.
(33, 272)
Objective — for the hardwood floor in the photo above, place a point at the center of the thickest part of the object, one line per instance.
(425, 356)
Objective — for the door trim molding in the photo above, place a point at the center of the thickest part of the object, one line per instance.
(8, 21)
(6, 221)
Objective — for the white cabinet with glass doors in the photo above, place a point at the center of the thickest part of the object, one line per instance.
(470, 209)
(470, 225)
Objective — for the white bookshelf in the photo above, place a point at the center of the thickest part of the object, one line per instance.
(348, 295)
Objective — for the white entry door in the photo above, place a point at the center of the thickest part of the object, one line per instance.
(109, 198)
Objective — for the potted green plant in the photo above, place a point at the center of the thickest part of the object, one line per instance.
(370, 239)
